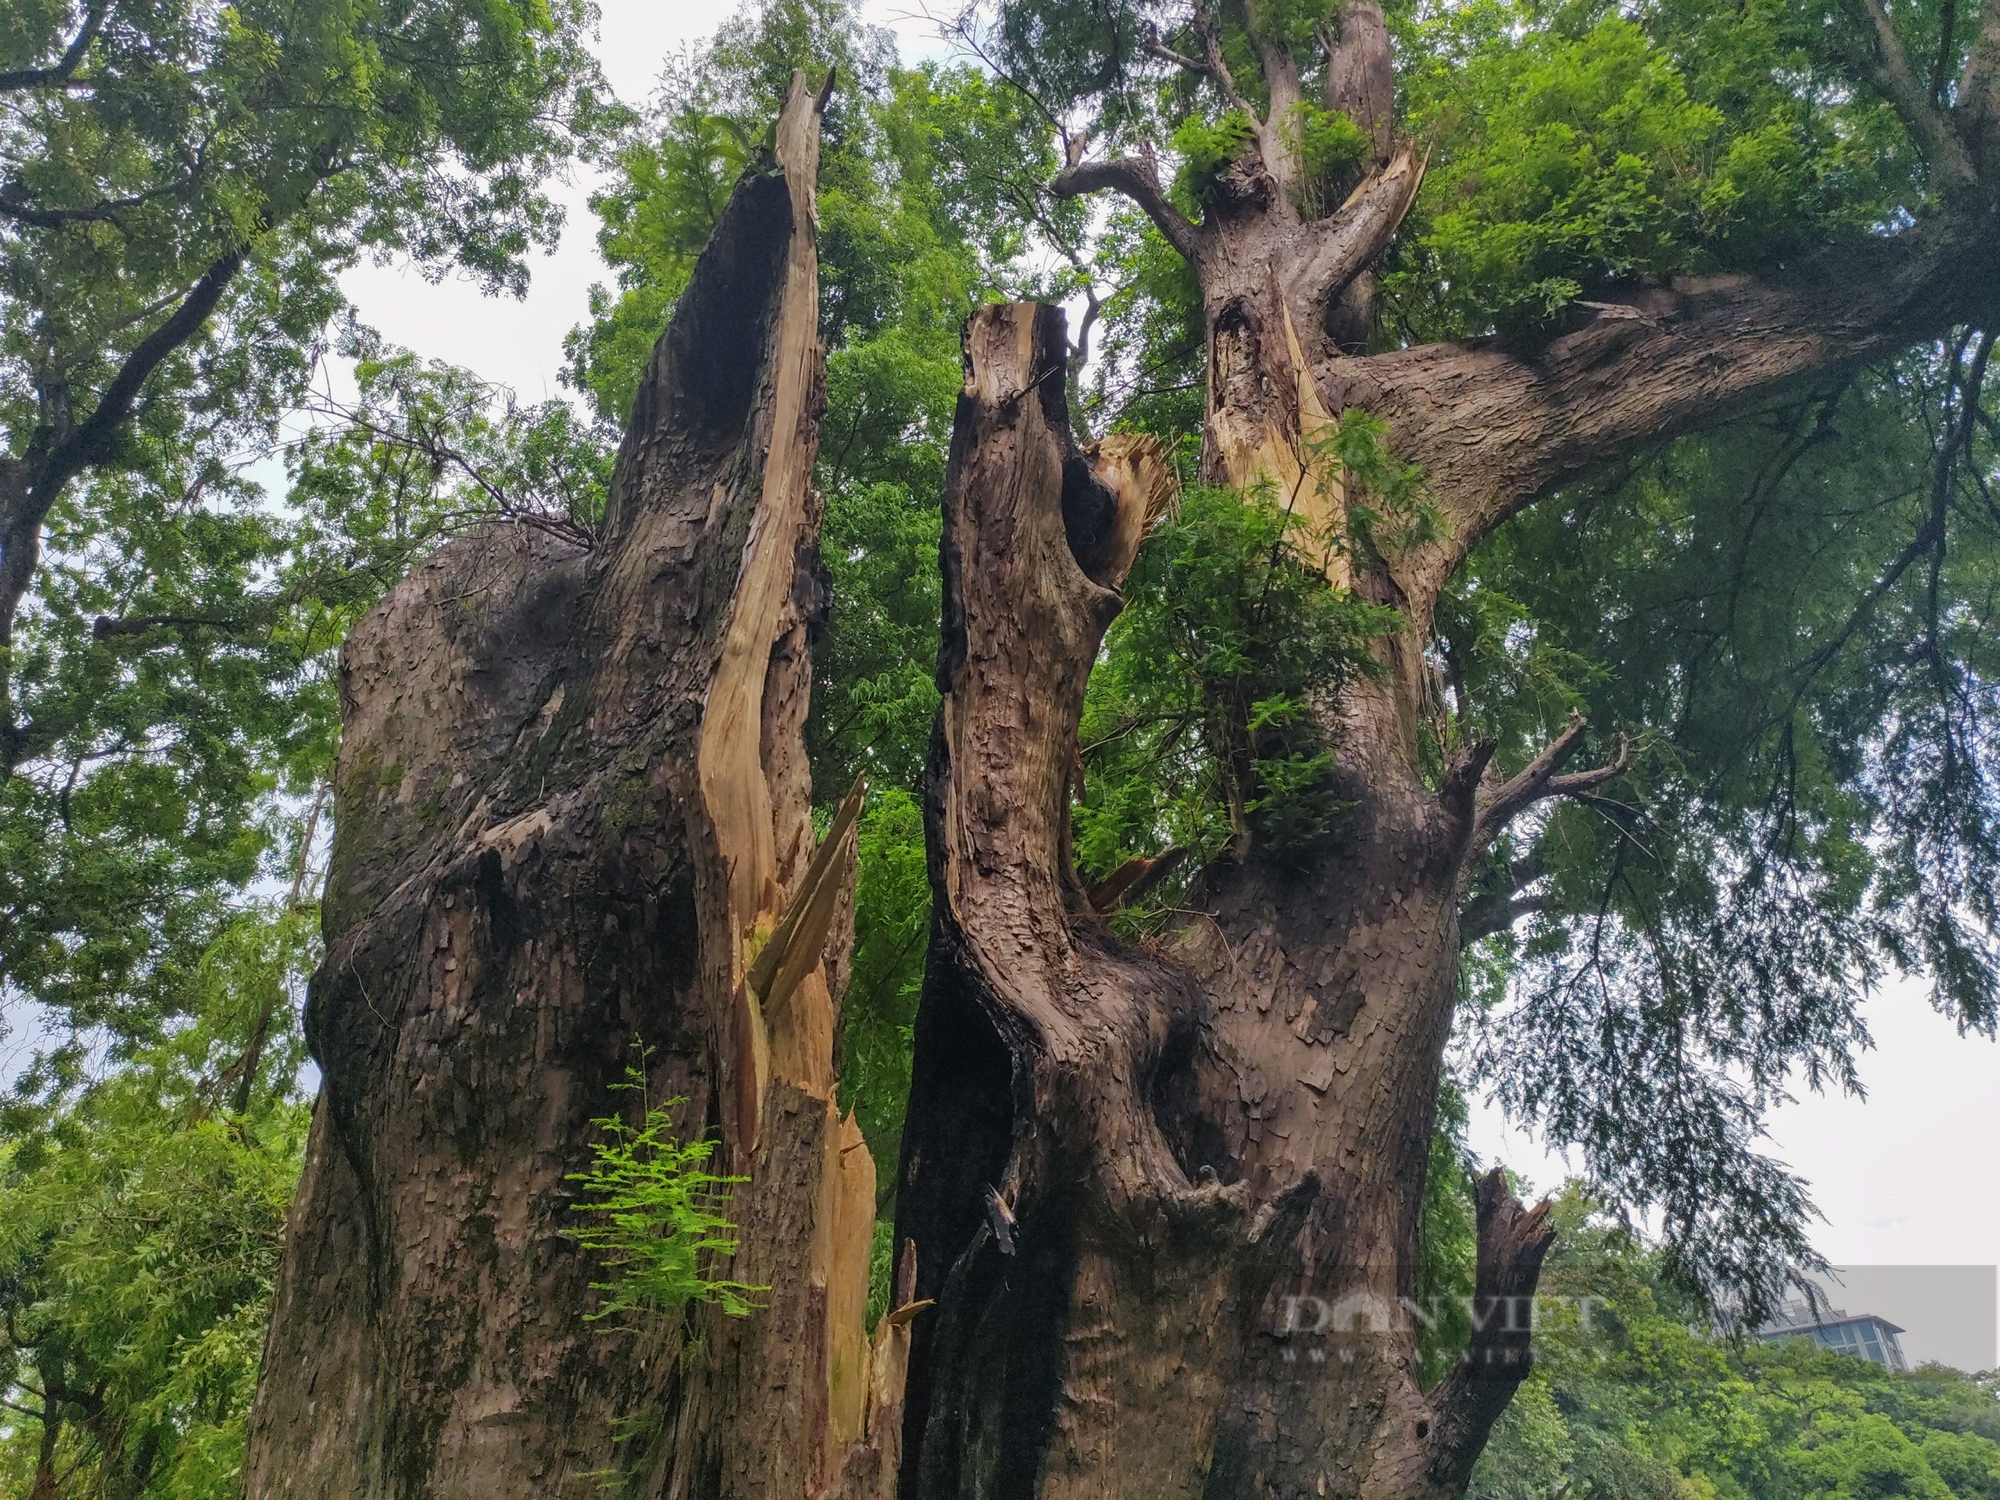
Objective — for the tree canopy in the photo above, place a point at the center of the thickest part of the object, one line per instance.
(181, 185)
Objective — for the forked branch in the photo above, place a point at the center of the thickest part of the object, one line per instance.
(1886, 67)
(1218, 64)
(1495, 805)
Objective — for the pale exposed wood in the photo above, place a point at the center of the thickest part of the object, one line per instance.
(851, 1177)
(1135, 468)
(734, 791)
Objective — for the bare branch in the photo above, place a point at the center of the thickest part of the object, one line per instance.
(1138, 178)
(72, 58)
(1539, 780)
(13, 206)
(1886, 66)
(1487, 915)
(106, 627)
(1158, 50)
(1497, 910)
(1218, 65)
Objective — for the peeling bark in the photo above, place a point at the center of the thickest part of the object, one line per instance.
(573, 815)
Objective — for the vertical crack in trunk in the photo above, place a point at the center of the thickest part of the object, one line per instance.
(1165, 1201)
(572, 809)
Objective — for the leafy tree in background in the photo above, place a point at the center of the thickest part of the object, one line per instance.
(141, 1233)
(180, 186)
(1640, 1401)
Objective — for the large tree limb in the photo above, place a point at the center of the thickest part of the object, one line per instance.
(91, 440)
(1138, 178)
(67, 64)
(1886, 66)
(1360, 73)
(1513, 1240)
(1494, 426)
(1353, 238)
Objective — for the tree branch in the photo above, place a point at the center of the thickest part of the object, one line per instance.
(90, 441)
(1886, 66)
(1158, 50)
(1497, 910)
(1138, 178)
(1947, 34)
(1218, 65)
(1977, 110)
(1353, 237)
(1497, 806)
(72, 58)
(1486, 915)
(59, 455)
(1494, 426)
(1513, 1241)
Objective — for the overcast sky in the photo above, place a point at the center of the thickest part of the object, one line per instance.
(1905, 1178)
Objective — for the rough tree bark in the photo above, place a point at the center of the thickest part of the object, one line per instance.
(573, 821)
(1126, 1172)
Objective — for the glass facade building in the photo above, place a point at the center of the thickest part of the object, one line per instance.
(1864, 1336)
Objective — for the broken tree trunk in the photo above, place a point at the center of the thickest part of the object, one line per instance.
(1126, 1172)
(573, 832)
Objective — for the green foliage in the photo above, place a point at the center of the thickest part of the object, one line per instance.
(1576, 155)
(892, 925)
(1207, 150)
(1195, 730)
(1447, 1241)
(425, 448)
(656, 1215)
(140, 1224)
(1329, 148)
(1635, 1402)
(1790, 832)
(165, 671)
